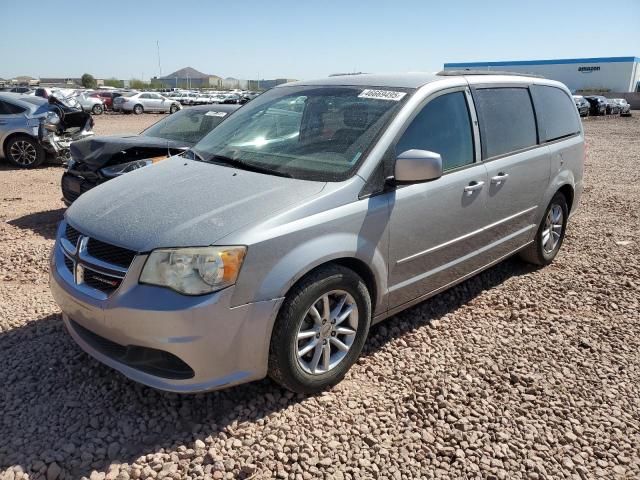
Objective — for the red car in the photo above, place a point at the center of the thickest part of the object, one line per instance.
(107, 97)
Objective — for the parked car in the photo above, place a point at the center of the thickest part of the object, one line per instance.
(91, 104)
(202, 98)
(625, 107)
(598, 104)
(311, 213)
(612, 107)
(31, 127)
(21, 90)
(106, 97)
(140, 102)
(187, 98)
(101, 158)
(582, 105)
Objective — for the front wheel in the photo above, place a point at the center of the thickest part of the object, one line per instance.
(550, 233)
(173, 109)
(97, 109)
(138, 109)
(320, 330)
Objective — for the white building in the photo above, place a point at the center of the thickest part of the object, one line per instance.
(615, 74)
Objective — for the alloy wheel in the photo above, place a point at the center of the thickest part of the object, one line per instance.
(23, 153)
(552, 231)
(327, 332)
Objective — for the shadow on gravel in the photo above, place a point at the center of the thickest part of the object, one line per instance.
(58, 404)
(40, 223)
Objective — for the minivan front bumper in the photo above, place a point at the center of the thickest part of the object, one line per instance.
(144, 331)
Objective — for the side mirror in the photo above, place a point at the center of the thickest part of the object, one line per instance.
(418, 166)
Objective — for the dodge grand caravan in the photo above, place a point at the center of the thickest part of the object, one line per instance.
(316, 210)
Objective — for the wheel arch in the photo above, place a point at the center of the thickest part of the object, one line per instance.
(568, 191)
(13, 135)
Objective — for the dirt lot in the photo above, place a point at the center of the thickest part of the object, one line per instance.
(517, 373)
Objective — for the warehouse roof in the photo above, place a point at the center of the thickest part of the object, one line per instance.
(558, 61)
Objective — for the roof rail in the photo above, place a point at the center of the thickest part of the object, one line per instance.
(457, 73)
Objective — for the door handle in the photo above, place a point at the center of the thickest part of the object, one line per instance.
(472, 187)
(499, 178)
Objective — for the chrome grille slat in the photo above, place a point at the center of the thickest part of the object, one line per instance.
(95, 265)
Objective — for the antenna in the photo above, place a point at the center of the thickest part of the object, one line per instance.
(159, 65)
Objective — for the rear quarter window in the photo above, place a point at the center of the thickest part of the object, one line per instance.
(556, 113)
(507, 121)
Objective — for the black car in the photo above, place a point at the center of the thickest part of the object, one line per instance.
(582, 105)
(98, 159)
(598, 104)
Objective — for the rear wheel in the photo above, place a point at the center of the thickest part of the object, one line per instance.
(550, 233)
(24, 152)
(320, 330)
(97, 109)
(138, 109)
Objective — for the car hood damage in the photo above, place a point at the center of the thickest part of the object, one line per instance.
(98, 152)
(183, 203)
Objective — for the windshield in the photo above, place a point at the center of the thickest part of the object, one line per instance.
(187, 126)
(315, 133)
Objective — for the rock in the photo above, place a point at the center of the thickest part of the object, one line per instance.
(53, 471)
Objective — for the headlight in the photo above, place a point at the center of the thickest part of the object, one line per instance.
(193, 271)
(117, 170)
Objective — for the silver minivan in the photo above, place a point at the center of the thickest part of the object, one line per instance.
(314, 211)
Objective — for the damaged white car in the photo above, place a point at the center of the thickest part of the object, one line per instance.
(34, 128)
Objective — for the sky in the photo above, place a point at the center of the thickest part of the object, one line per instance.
(302, 39)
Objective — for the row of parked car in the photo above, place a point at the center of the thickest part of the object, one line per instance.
(599, 105)
(210, 97)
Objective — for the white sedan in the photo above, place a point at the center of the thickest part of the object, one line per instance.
(140, 102)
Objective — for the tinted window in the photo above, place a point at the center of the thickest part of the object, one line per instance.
(507, 122)
(7, 108)
(556, 113)
(442, 126)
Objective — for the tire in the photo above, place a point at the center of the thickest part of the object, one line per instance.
(97, 109)
(138, 109)
(24, 152)
(295, 326)
(173, 109)
(541, 252)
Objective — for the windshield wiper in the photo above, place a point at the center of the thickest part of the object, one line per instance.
(234, 162)
(193, 154)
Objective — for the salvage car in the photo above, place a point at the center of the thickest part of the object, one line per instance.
(598, 104)
(101, 158)
(625, 107)
(313, 212)
(106, 97)
(140, 102)
(582, 105)
(612, 107)
(32, 127)
(94, 105)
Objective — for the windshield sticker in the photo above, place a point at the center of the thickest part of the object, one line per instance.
(382, 95)
(216, 114)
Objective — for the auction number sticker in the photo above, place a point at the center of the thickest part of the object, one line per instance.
(216, 114)
(382, 95)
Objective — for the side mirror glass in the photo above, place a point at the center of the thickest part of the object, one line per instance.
(418, 166)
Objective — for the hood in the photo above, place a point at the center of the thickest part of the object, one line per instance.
(182, 203)
(97, 152)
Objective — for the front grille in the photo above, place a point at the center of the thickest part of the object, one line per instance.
(71, 234)
(70, 195)
(98, 265)
(99, 281)
(110, 253)
(148, 360)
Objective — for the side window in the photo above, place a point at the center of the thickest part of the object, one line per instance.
(556, 113)
(443, 126)
(7, 108)
(144, 95)
(507, 121)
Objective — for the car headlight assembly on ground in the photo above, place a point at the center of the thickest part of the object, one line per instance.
(193, 271)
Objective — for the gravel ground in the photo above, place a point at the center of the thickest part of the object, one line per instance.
(516, 373)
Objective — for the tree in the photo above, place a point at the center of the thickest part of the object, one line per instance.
(88, 81)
